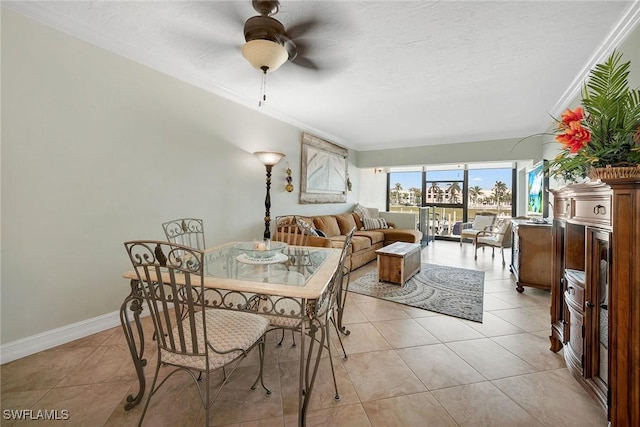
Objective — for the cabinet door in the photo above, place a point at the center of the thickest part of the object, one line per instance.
(597, 310)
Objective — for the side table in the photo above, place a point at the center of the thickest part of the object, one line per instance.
(398, 262)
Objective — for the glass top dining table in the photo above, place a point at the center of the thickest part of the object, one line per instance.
(291, 265)
(296, 273)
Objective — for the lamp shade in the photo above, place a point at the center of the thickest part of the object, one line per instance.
(265, 53)
(269, 158)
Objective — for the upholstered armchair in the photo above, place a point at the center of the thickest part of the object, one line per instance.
(482, 221)
(498, 236)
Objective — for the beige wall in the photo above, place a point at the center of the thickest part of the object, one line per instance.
(96, 150)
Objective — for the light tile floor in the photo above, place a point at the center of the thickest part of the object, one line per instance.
(406, 367)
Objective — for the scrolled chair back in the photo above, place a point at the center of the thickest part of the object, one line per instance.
(293, 230)
(170, 279)
(328, 300)
(185, 231)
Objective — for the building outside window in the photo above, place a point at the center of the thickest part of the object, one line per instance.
(454, 193)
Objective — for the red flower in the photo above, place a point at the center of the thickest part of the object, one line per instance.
(575, 137)
(572, 116)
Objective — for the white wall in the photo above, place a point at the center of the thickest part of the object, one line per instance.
(630, 49)
(96, 150)
(467, 152)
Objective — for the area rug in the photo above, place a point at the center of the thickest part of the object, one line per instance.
(446, 290)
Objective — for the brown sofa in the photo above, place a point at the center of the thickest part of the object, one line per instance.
(335, 228)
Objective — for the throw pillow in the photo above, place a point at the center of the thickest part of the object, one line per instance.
(320, 233)
(306, 228)
(374, 223)
(364, 212)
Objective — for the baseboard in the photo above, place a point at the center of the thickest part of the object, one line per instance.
(55, 337)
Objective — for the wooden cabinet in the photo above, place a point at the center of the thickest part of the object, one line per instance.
(595, 293)
(531, 254)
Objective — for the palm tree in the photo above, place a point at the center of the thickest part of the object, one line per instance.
(454, 190)
(417, 195)
(433, 190)
(499, 190)
(475, 193)
(398, 187)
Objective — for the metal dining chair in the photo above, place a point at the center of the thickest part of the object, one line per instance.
(190, 336)
(185, 231)
(325, 309)
(293, 230)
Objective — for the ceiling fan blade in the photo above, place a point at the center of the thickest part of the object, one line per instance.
(303, 62)
(299, 29)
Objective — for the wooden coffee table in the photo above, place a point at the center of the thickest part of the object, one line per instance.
(398, 262)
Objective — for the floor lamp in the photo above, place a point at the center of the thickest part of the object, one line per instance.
(269, 159)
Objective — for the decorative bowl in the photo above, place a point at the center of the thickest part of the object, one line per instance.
(258, 250)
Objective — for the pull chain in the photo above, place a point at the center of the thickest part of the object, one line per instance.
(263, 87)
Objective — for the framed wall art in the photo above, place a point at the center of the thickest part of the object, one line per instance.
(323, 171)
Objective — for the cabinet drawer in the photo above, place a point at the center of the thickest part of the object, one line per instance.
(576, 340)
(562, 208)
(574, 289)
(593, 211)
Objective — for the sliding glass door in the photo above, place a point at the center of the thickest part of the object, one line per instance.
(455, 193)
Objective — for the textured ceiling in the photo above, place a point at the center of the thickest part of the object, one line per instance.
(392, 73)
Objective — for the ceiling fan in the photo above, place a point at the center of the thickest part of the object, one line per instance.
(268, 45)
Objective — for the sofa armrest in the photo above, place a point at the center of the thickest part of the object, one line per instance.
(319, 242)
(401, 220)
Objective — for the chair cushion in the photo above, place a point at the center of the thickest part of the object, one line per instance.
(490, 240)
(328, 224)
(346, 222)
(286, 307)
(482, 221)
(226, 330)
(502, 225)
(469, 232)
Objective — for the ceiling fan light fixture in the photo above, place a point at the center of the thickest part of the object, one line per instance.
(265, 53)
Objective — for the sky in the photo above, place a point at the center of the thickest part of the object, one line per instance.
(483, 178)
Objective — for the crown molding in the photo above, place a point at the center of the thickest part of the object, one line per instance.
(617, 35)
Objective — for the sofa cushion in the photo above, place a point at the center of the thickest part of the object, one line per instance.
(358, 220)
(346, 222)
(358, 243)
(399, 235)
(328, 224)
(373, 235)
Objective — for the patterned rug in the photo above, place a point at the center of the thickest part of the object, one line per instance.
(452, 291)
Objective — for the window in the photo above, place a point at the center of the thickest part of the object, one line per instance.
(490, 190)
(453, 192)
(405, 191)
